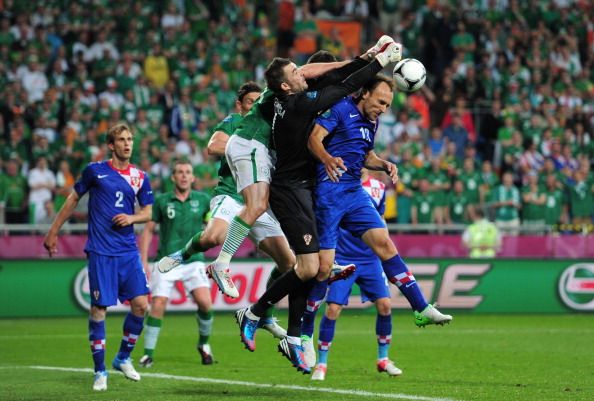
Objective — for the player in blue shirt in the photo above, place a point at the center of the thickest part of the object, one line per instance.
(374, 287)
(114, 268)
(342, 140)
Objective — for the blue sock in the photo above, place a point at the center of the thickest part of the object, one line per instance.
(383, 331)
(325, 337)
(398, 274)
(97, 341)
(314, 301)
(132, 329)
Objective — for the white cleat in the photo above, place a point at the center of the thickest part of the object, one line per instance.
(170, 262)
(340, 272)
(223, 280)
(430, 315)
(319, 372)
(271, 325)
(309, 351)
(100, 382)
(125, 366)
(386, 365)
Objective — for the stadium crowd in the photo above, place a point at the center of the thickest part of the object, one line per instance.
(504, 122)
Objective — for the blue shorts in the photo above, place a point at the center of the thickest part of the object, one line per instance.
(350, 208)
(370, 278)
(115, 277)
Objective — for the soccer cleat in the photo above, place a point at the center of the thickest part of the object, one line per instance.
(247, 327)
(385, 39)
(125, 366)
(169, 262)
(430, 315)
(389, 53)
(386, 365)
(205, 354)
(271, 325)
(294, 353)
(146, 361)
(319, 372)
(100, 381)
(339, 272)
(309, 352)
(223, 280)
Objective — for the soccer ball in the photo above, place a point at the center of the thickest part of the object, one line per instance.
(409, 75)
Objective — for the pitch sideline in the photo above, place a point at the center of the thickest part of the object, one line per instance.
(252, 384)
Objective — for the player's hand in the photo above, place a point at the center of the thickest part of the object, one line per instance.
(391, 53)
(334, 168)
(392, 171)
(122, 220)
(50, 242)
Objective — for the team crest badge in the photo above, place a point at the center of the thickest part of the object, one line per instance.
(307, 238)
(135, 181)
(96, 295)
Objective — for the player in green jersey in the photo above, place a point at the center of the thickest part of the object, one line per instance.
(177, 212)
(265, 232)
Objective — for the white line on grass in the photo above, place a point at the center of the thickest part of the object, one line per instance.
(360, 393)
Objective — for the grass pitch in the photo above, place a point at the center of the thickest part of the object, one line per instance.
(477, 357)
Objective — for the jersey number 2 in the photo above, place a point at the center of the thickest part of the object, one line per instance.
(119, 199)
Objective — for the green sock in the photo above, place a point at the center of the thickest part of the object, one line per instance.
(192, 247)
(205, 320)
(274, 274)
(151, 334)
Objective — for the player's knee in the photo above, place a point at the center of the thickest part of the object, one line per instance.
(385, 248)
(333, 311)
(383, 306)
(211, 239)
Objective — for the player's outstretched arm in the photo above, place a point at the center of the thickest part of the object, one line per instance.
(374, 162)
(334, 165)
(217, 143)
(142, 216)
(314, 70)
(50, 241)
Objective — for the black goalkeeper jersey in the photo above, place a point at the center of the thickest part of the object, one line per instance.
(294, 118)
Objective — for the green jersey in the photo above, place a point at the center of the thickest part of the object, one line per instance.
(502, 194)
(457, 204)
(424, 202)
(532, 212)
(227, 185)
(553, 206)
(254, 125)
(580, 199)
(179, 220)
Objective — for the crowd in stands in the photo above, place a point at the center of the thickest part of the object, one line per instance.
(504, 123)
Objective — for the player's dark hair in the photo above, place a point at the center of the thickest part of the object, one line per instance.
(246, 88)
(116, 130)
(321, 56)
(275, 75)
(179, 162)
(374, 83)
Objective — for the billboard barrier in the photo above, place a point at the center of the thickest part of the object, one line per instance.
(60, 287)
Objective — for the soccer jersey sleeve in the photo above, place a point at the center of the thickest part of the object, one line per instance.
(85, 181)
(145, 194)
(329, 119)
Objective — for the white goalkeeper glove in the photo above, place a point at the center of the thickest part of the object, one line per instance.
(390, 53)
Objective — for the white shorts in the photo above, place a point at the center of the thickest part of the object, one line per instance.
(193, 275)
(249, 161)
(225, 208)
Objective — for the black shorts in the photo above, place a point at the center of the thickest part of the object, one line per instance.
(293, 207)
